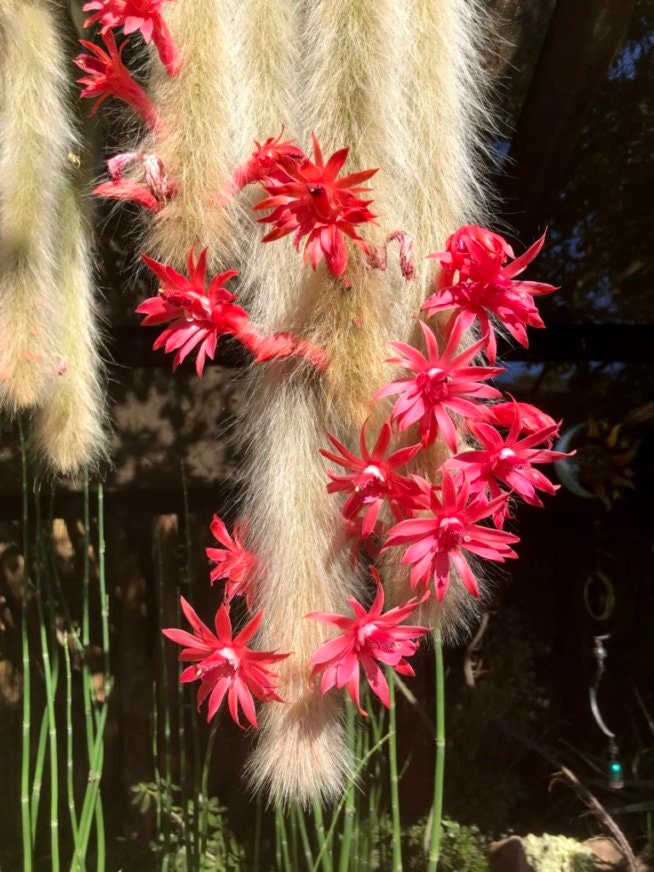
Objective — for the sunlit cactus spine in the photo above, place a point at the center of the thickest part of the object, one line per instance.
(70, 425)
(371, 79)
(35, 140)
(198, 111)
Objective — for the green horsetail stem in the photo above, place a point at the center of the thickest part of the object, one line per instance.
(439, 772)
(324, 846)
(348, 821)
(339, 808)
(95, 722)
(304, 835)
(26, 829)
(203, 798)
(164, 698)
(50, 674)
(70, 759)
(37, 777)
(394, 781)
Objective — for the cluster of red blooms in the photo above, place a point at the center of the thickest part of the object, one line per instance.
(308, 199)
(197, 315)
(440, 526)
(440, 523)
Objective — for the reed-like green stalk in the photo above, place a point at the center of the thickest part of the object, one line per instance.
(92, 810)
(195, 732)
(70, 759)
(278, 845)
(294, 838)
(203, 798)
(164, 697)
(87, 684)
(360, 734)
(394, 782)
(183, 763)
(348, 822)
(258, 820)
(282, 852)
(304, 836)
(377, 726)
(327, 840)
(324, 846)
(365, 832)
(104, 598)
(50, 677)
(107, 681)
(91, 807)
(439, 772)
(37, 777)
(26, 827)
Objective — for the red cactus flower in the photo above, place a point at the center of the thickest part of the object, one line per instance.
(530, 418)
(441, 539)
(225, 665)
(107, 76)
(199, 315)
(443, 383)
(234, 562)
(508, 459)
(266, 162)
(367, 639)
(485, 288)
(476, 253)
(373, 478)
(313, 202)
(137, 15)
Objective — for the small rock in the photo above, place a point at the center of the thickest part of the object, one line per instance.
(509, 856)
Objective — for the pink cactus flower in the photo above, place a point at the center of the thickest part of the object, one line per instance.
(266, 162)
(137, 15)
(313, 202)
(225, 665)
(439, 541)
(107, 76)
(367, 639)
(199, 315)
(234, 562)
(373, 478)
(530, 417)
(474, 252)
(508, 460)
(442, 384)
(486, 289)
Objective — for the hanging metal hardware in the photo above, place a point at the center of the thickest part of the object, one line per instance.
(614, 769)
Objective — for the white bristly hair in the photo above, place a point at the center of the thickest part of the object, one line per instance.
(400, 83)
(70, 426)
(36, 137)
(199, 110)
